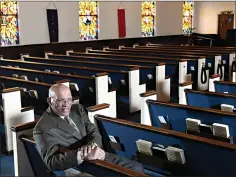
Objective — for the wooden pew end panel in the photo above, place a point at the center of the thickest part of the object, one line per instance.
(145, 116)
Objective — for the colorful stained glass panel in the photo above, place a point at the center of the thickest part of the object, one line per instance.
(88, 27)
(148, 17)
(187, 17)
(9, 31)
(88, 20)
(88, 8)
(8, 8)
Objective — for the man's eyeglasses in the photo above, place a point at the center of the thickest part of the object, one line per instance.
(63, 101)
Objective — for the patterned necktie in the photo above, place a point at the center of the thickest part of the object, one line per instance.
(71, 123)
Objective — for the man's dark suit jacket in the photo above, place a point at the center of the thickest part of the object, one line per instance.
(52, 134)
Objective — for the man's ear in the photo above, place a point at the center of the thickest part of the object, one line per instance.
(49, 100)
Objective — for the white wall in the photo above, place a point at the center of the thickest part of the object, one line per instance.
(169, 18)
(206, 15)
(34, 30)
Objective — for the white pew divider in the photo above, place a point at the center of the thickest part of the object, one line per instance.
(105, 47)
(69, 51)
(162, 83)
(22, 166)
(103, 95)
(200, 85)
(13, 113)
(212, 79)
(22, 55)
(46, 53)
(218, 60)
(234, 76)
(145, 115)
(135, 89)
(87, 49)
(102, 109)
(231, 60)
(183, 76)
(182, 95)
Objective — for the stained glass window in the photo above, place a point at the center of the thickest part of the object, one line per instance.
(148, 18)
(88, 20)
(9, 23)
(187, 17)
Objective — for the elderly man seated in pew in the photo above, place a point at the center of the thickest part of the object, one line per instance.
(66, 126)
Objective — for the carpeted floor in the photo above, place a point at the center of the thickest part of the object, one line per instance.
(6, 165)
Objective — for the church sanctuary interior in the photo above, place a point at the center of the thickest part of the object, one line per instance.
(157, 79)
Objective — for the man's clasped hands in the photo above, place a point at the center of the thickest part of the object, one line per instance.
(92, 152)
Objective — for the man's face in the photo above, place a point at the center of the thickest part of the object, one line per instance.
(61, 103)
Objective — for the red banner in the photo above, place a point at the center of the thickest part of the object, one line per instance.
(121, 22)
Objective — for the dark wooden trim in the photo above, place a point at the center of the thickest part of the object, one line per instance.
(214, 76)
(167, 77)
(167, 132)
(101, 74)
(195, 108)
(193, 52)
(21, 80)
(112, 90)
(27, 108)
(46, 73)
(211, 93)
(103, 58)
(182, 54)
(87, 62)
(14, 89)
(65, 66)
(98, 107)
(134, 68)
(149, 93)
(161, 64)
(136, 56)
(61, 81)
(185, 84)
(22, 127)
(226, 82)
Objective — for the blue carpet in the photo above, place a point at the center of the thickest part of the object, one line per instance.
(6, 166)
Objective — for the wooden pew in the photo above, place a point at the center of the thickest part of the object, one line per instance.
(82, 82)
(199, 152)
(25, 150)
(101, 79)
(153, 80)
(13, 113)
(131, 85)
(206, 99)
(228, 55)
(223, 86)
(214, 60)
(191, 70)
(176, 115)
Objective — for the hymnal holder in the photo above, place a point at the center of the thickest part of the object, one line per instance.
(211, 136)
(117, 146)
(174, 168)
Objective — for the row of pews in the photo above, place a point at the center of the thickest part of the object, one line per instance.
(168, 81)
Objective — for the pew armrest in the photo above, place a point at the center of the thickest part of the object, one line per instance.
(212, 79)
(98, 107)
(182, 95)
(23, 127)
(149, 93)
